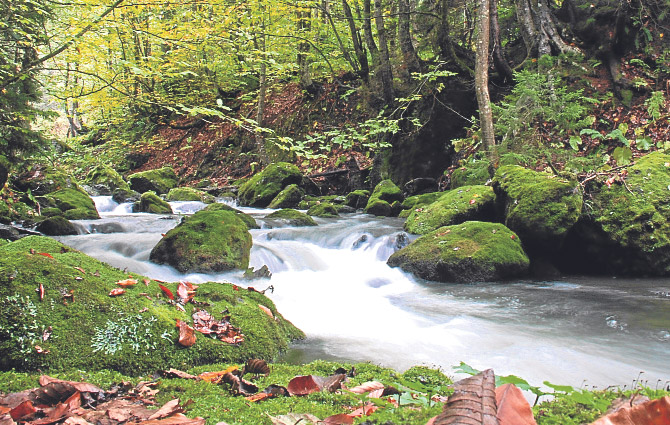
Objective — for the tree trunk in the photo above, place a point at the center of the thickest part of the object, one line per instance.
(384, 68)
(482, 77)
(356, 39)
(410, 58)
(498, 55)
(367, 33)
(262, 90)
(539, 29)
(304, 17)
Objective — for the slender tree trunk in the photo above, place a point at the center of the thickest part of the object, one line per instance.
(384, 69)
(482, 76)
(498, 55)
(304, 13)
(410, 58)
(262, 89)
(367, 33)
(361, 55)
(345, 51)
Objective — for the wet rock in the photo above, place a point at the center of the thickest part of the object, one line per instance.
(160, 180)
(382, 198)
(189, 194)
(323, 209)
(292, 217)
(74, 203)
(104, 180)
(263, 187)
(420, 186)
(151, 203)
(262, 273)
(468, 252)
(56, 226)
(357, 199)
(289, 197)
(246, 218)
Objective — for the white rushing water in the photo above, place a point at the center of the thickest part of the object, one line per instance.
(332, 281)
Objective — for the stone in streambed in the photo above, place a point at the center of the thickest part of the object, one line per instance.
(151, 203)
(263, 187)
(160, 180)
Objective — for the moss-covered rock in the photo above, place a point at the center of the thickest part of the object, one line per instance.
(357, 199)
(289, 197)
(151, 203)
(627, 228)
(262, 188)
(208, 241)
(470, 174)
(467, 203)
(107, 177)
(189, 194)
(417, 201)
(130, 333)
(385, 193)
(74, 203)
(160, 180)
(41, 179)
(540, 207)
(246, 218)
(56, 226)
(468, 252)
(323, 209)
(292, 217)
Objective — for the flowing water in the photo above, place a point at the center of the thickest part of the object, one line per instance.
(332, 281)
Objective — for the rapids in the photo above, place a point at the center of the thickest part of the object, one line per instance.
(332, 281)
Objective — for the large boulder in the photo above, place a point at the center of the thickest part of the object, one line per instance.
(56, 226)
(385, 199)
(323, 209)
(467, 203)
(74, 203)
(208, 241)
(468, 252)
(160, 180)
(291, 217)
(627, 228)
(262, 188)
(289, 197)
(246, 218)
(540, 207)
(77, 325)
(42, 179)
(357, 199)
(471, 173)
(151, 203)
(106, 180)
(189, 194)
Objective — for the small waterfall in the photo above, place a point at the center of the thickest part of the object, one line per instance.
(107, 206)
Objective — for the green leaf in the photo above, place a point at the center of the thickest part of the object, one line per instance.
(594, 134)
(645, 143)
(618, 135)
(575, 141)
(622, 155)
(560, 388)
(465, 368)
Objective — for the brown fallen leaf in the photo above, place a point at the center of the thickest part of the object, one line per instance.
(6, 419)
(116, 292)
(76, 420)
(146, 281)
(308, 384)
(654, 412)
(339, 419)
(80, 269)
(178, 419)
(40, 291)
(366, 387)
(83, 387)
(256, 367)
(24, 409)
(215, 377)
(266, 310)
(127, 282)
(238, 385)
(168, 409)
(473, 401)
(270, 392)
(174, 373)
(513, 408)
(186, 334)
(186, 291)
(294, 418)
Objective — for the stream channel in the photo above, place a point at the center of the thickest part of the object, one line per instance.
(332, 282)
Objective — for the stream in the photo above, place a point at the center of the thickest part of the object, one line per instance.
(332, 282)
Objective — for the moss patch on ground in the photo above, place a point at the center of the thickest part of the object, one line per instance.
(467, 203)
(292, 217)
(540, 207)
(263, 187)
(160, 180)
(468, 252)
(208, 241)
(133, 333)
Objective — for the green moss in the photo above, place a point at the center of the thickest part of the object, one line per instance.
(468, 252)
(292, 217)
(246, 218)
(41, 180)
(207, 241)
(75, 204)
(379, 208)
(151, 203)
(104, 175)
(357, 198)
(130, 339)
(189, 194)
(159, 180)
(262, 188)
(385, 192)
(540, 207)
(323, 209)
(56, 226)
(632, 222)
(453, 207)
(289, 197)
(470, 174)
(417, 201)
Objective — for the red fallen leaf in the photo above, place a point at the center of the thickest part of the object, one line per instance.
(513, 237)
(186, 334)
(303, 385)
(41, 350)
(215, 377)
(40, 291)
(236, 288)
(258, 397)
(116, 292)
(166, 291)
(45, 254)
(186, 291)
(339, 419)
(24, 409)
(127, 282)
(146, 281)
(654, 412)
(80, 269)
(513, 408)
(266, 310)
(472, 201)
(366, 410)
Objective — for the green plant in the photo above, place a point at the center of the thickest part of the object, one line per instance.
(134, 332)
(655, 104)
(25, 333)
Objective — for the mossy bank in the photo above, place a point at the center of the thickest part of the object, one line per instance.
(57, 314)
